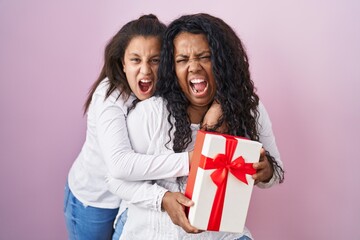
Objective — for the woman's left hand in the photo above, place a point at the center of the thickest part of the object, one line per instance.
(264, 170)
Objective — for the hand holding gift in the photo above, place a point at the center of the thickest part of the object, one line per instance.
(264, 170)
(174, 204)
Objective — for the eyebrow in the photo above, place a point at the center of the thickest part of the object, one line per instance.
(138, 55)
(196, 55)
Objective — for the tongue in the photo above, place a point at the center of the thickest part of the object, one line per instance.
(144, 86)
(199, 87)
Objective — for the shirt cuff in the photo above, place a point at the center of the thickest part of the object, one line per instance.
(159, 199)
(268, 184)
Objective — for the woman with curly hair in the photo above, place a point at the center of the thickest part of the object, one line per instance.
(203, 63)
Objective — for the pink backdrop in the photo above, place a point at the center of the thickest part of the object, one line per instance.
(305, 63)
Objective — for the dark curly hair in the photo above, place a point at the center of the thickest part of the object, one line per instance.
(146, 26)
(235, 89)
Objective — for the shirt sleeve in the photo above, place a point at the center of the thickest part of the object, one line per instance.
(144, 194)
(146, 135)
(267, 138)
(122, 162)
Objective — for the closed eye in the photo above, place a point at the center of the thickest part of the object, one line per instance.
(181, 60)
(135, 60)
(155, 61)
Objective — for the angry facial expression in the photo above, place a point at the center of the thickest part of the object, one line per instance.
(192, 56)
(141, 62)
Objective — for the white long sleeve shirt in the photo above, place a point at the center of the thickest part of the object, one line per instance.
(107, 151)
(148, 131)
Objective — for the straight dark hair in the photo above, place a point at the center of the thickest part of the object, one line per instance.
(146, 26)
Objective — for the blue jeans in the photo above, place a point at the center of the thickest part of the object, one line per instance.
(86, 222)
(120, 225)
(244, 238)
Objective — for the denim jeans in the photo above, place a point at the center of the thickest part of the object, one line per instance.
(86, 222)
(120, 225)
(244, 238)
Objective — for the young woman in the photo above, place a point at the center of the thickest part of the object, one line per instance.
(202, 60)
(129, 74)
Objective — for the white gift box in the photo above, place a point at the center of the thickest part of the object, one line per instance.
(226, 160)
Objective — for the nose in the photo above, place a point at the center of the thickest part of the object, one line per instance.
(194, 65)
(145, 68)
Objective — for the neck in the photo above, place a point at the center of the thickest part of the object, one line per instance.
(197, 113)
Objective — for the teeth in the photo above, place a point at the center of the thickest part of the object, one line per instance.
(197, 81)
(145, 80)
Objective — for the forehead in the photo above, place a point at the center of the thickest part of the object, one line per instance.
(186, 43)
(141, 43)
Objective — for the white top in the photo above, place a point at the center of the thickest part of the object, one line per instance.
(107, 151)
(148, 129)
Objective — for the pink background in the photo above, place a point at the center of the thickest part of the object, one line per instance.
(304, 60)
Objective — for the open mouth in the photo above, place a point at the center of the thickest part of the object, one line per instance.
(145, 85)
(198, 86)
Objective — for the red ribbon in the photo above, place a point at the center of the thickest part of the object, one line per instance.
(223, 164)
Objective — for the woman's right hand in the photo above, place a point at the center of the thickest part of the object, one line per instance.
(174, 204)
(212, 117)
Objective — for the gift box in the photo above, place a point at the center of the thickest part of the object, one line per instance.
(220, 182)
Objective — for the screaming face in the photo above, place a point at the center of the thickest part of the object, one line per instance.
(141, 62)
(193, 68)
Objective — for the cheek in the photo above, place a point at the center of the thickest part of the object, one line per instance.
(211, 77)
(132, 84)
(155, 70)
(130, 76)
(180, 76)
(183, 86)
(129, 70)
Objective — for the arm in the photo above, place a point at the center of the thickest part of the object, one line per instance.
(145, 122)
(143, 194)
(149, 120)
(154, 197)
(268, 173)
(122, 162)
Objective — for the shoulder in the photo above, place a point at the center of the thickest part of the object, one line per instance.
(102, 88)
(261, 107)
(263, 114)
(114, 99)
(263, 119)
(148, 112)
(149, 106)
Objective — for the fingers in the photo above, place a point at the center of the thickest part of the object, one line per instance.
(263, 168)
(184, 200)
(174, 204)
(262, 154)
(185, 224)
